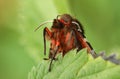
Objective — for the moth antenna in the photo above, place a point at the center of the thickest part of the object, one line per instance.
(79, 29)
(50, 21)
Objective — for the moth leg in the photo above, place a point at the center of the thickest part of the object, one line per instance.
(53, 58)
(79, 48)
(46, 32)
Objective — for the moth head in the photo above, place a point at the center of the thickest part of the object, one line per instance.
(66, 19)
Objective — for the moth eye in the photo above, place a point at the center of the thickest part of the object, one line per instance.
(58, 17)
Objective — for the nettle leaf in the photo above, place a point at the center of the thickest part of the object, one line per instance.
(76, 66)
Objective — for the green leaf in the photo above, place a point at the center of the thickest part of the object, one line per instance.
(76, 66)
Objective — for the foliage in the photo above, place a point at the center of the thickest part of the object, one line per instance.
(76, 66)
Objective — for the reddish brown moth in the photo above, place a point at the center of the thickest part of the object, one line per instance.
(65, 34)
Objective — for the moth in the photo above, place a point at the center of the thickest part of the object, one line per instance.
(65, 34)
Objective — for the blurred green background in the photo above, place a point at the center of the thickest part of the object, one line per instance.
(21, 47)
